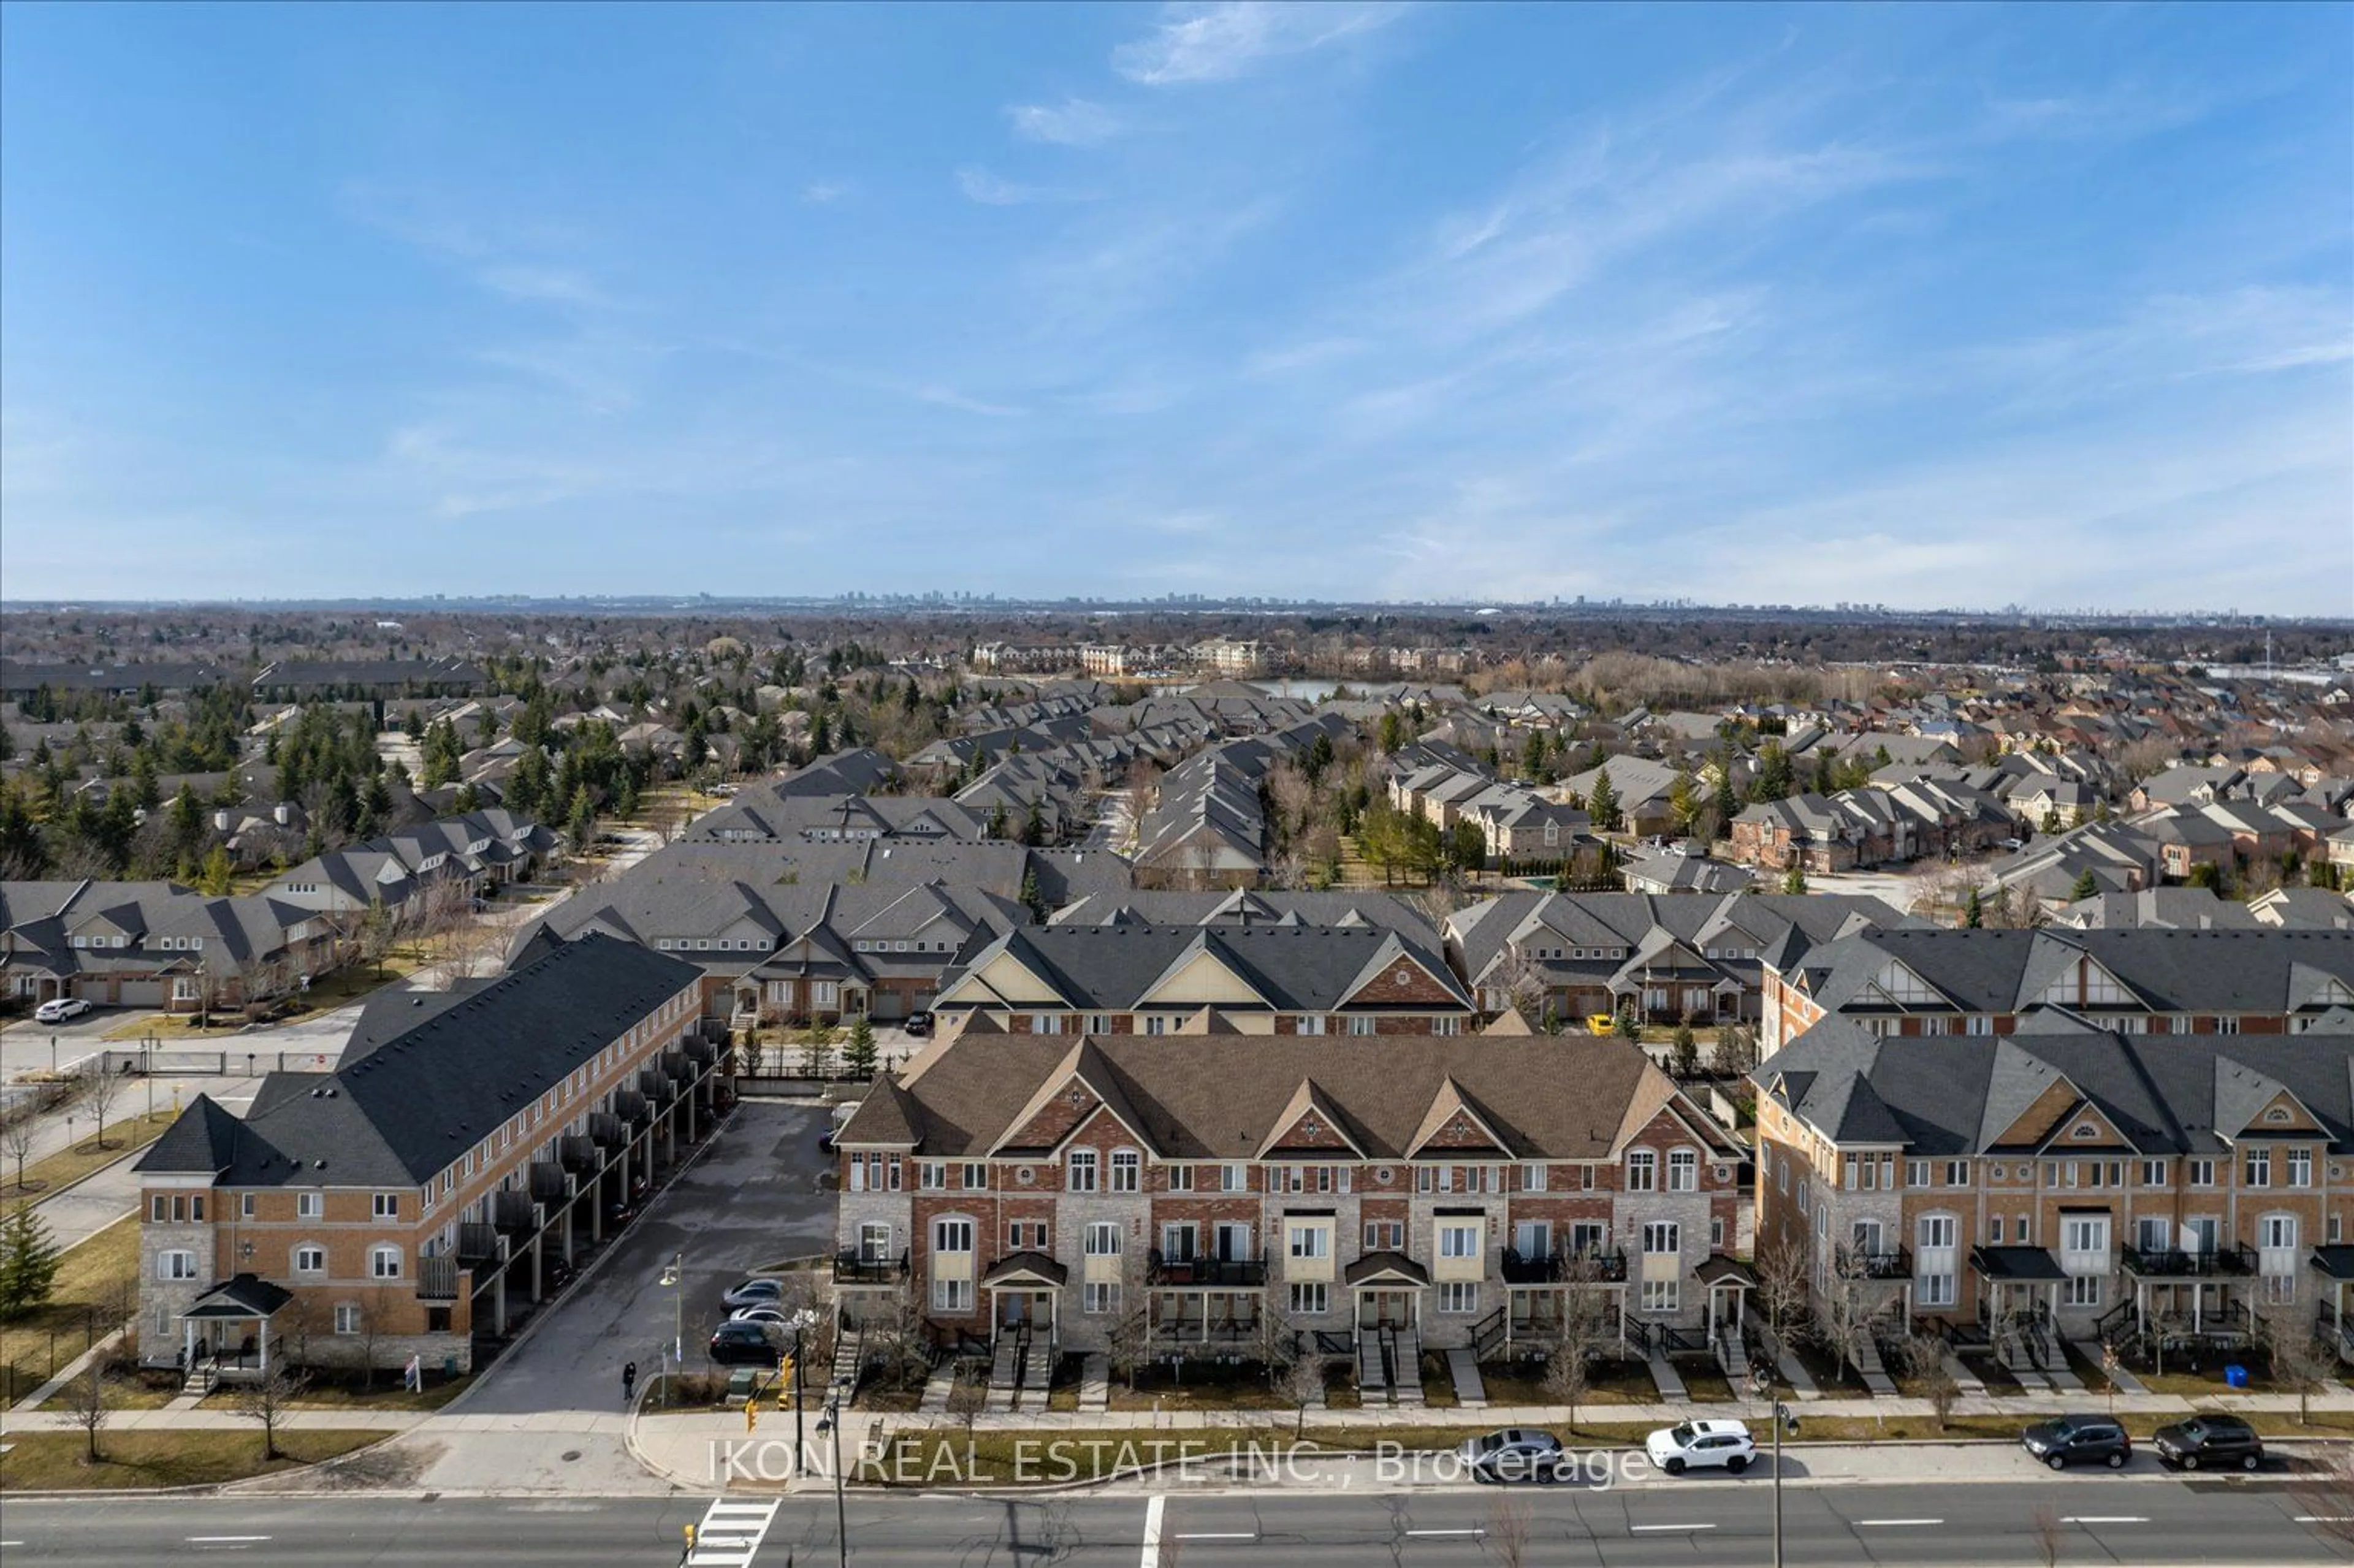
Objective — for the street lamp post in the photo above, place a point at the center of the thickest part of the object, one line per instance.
(830, 1422)
(675, 1277)
(802, 1322)
(1783, 1417)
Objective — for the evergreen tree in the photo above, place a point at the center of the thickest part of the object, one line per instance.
(1774, 775)
(216, 876)
(1794, 879)
(1602, 801)
(1974, 911)
(580, 822)
(1032, 899)
(2086, 886)
(1683, 800)
(28, 1263)
(858, 1055)
(1033, 826)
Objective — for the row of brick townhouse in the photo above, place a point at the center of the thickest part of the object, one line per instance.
(2064, 1177)
(1127, 978)
(1931, 981)
(1425, 1190)
(159, 944)
(410, 1202)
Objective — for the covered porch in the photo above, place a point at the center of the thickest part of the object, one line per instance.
(1025, 1292)
(226, 1335)
(2335, 1265)
(1385, 1293)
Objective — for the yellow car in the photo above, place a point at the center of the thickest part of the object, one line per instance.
(1600, 1023)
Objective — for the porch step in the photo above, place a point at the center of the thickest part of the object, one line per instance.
(1037, 1372)
(1872, 1370)
(849, 1353)
(1669, 1381)
(1095, 1383)
(1372, 1377)
(1406, 1385)
(1733, 1361)
(937, 1388)
(1471, 1389)
(1788, 1366)
(1970, 1382)
(2061, 1375)
(2091, 1351)
(1005, 1369)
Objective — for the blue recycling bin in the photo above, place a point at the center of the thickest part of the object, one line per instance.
(2235, 1375)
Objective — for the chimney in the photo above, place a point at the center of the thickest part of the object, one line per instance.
(283, 812)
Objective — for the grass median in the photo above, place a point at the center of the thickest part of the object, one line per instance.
(93, 1153)
(145, 1461)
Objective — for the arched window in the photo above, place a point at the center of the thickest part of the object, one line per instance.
(384, 1263)
(309, 1257)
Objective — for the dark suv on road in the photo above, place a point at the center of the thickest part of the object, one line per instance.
(2210, 1443)
(2078, 1440)
(743, 1344)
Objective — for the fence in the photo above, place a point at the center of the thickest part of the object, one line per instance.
(194, 1063)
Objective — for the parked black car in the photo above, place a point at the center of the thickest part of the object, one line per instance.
(2210, 1443)
(2079, 1440)
(739, 1344)
(918, 1025)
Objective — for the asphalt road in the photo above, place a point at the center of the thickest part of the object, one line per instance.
(2216, 1523)
(751, 1200)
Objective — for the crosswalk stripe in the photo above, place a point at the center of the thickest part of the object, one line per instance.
(731, 1533)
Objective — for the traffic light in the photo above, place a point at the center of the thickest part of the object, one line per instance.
(785, 1383)
(751, 1417)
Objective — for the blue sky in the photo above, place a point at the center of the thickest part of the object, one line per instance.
(1912, 305)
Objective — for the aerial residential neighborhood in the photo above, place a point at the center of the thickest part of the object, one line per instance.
(1211, 783)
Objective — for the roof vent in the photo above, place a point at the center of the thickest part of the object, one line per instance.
(318, 1165)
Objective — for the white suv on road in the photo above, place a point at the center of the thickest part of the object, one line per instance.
(1702, 1445)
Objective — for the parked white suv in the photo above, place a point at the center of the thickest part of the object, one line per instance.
(1702, 1445)
(60, 1010)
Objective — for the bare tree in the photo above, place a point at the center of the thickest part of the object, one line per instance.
(18, 1136)
(1303, 1385)
(1924, 1364)
(101, 1089)
(90, 1409)
(1584, 1329)
(267, 1402)
(1507, 1530)
(1781, 1284)
(2048, 1532)
(1849, 1307)
(2298, 1365)
(899, 1341)
(1274, 1342)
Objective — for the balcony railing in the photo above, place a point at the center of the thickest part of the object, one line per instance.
(478, 1244)
(550, 1184)
(1864, 1263)
(1591, 1265)
(850, 1268)
(581, 1155)
(2175, 1262)
(633, 1106)
(1212, 1272)
(607, 1129)
(437, 1278)
(514, 1213)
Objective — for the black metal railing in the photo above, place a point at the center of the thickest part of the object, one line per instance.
(2175, 1262)
(1212, 1272)
(1592, 1266)
(514, 1213)
(550, 1183)
(632, 1106)
(851, 1269)
(1871, 1263)
(581, 1155)
(478, 1244)
(607, 1130)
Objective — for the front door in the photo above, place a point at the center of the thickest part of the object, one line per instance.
(1012, 1307)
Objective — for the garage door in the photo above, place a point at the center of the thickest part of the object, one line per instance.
(142, 993)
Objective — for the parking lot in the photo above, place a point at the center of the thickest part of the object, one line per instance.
(751, 1200)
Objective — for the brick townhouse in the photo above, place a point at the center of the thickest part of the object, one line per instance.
(409, 1201)
(1431, 1191)
(1150, 979)
(1933, 981)
(2062, 1178)
(157, 944)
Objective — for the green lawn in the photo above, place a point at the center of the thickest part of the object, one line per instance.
(58, 1461)
(97, 1288)
(88, 1154)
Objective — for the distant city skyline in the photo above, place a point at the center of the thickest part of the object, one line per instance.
(1912, 307)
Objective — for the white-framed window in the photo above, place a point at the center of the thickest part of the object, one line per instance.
(175, 1264)
(1309, 1241)
(1661, 1295)
(1155, 1025)
(952, 1234)
(931, 1175)
(1181, 1178)
(310, 1258)
(1310, 1299)
(2202, 1172)
(1662, 1237)
(2297, 1166)
(1459, 1241)
(1384, 1235)
(1684, 1171)
(952, 1295)
(1309, 1023)
(2153, 1173)
(384, 1263)
(1533, 1178)
(2083, 1290)
(347, 1317)
(1099, 1022)
(976, 1176)
(309, 1206)
(1917, 1173)
(2259, 1168)
(388, 1205)
(1098, 1296)
(1359, 1024)
(1082, 1167)
(1458, 1297)
(1642, 1171)
(874, 1240)
(1102, 1239)
(1127, 1171)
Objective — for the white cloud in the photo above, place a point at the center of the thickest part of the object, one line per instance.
(949, 398)
(543, 285)
(990, 190)
(824, 193)
(1219, 42)
(1074, 123)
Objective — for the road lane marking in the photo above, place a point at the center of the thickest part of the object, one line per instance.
(225, 1539)
(1153, 1507)
(731, 1533)
(2107, 1518)
(1640, 1528)
(2301, 1519)
(1894, 1523)
(1474, 1531)
(1216, 1535)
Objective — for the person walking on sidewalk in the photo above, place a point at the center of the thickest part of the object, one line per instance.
(629, 1381)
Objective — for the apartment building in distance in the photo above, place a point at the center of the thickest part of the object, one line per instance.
(1113, 980)
(2063, 1179)
(1438, 1191)
(407, 1203)
(1932, 981)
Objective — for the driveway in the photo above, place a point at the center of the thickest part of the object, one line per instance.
(752, 1199)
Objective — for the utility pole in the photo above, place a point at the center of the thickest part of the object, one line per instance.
(1761, 1383)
